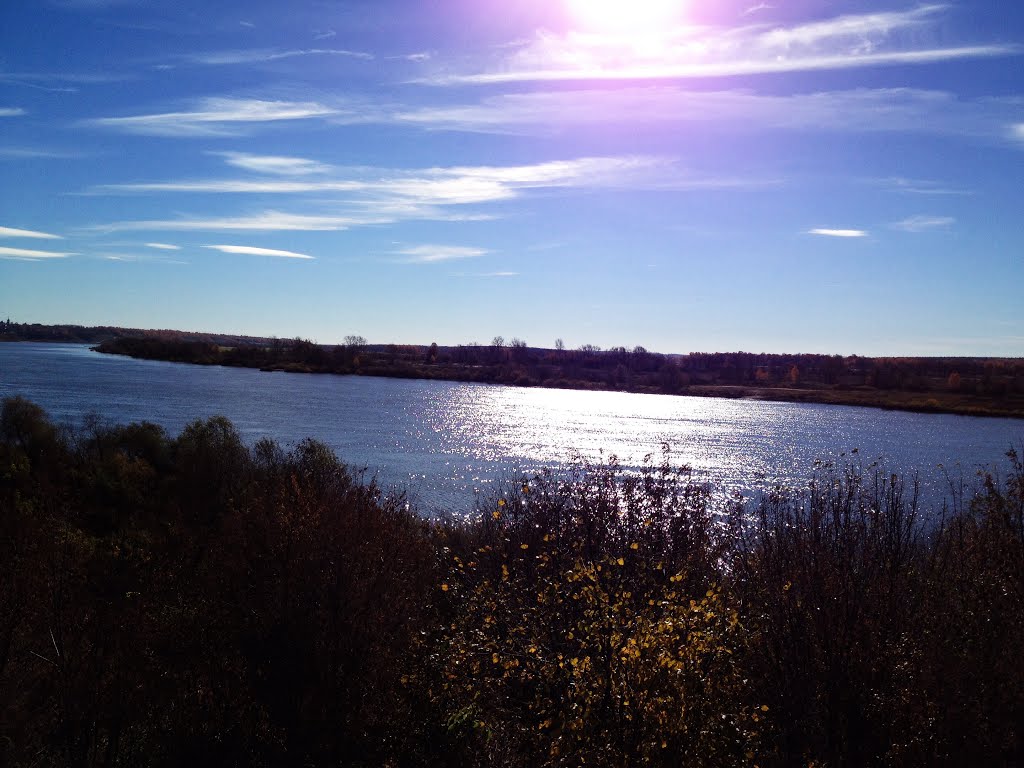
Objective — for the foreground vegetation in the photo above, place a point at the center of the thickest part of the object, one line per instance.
(183, 600)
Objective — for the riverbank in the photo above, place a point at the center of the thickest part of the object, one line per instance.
(960, 386)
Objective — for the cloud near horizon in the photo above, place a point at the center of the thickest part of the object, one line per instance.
(247, 250)
(163, 246)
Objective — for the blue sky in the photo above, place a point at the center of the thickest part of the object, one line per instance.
(688, 175)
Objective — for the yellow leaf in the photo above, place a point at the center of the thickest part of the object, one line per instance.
(501, 502)
(494, 658)
(634, 546)
(620, 561)
(524, 546)
(444, 587)
(496, 514)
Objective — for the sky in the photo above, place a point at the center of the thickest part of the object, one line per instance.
(687, 175)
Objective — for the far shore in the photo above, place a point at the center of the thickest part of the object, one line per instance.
(968, 386)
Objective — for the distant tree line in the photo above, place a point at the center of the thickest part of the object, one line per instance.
(80, 334)
(965, 385)
(190, 600)
(977, 386)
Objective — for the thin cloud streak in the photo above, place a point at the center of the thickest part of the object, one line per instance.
(920, 186)
(838, 232)
(266, 221)
(30, 255)
(163, 246)
(264, 55)
(432, 254)
(462, 184)
(281, 221)
(215, 116)
(247, 250)
(12, 112)
(31, 153)
(12, 232)
(907, 110)
(916, 224)
(273, 164)
(737, 68)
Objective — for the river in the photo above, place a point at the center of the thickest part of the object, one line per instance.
(444, 442)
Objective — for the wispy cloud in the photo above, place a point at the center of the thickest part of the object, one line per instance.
(924, 223)
(265, 221)
(919, 186)
(163, 246)
(855, 110)
(844, 42)
(1018, 131)
(757, 9)
(274, 164)
(214, 116)
(142, 258)
(838, 232)
(58, 82)
(12, 232)
(386, 196)
(431, 254)
(34, 153)
(24, 254)
(461, 185)
(12, 112)
(248, 250)
(264, 55)
(326, 34)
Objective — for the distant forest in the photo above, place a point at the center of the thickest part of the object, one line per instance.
(973, 386)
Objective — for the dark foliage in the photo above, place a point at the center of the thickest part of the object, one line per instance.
(191, 600)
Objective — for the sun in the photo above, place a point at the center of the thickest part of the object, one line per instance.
(643, 17)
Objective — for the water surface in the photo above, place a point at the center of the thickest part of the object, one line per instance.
(443, 442)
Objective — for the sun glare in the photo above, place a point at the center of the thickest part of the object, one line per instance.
(637, 17)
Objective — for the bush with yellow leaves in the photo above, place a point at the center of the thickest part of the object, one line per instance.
(591, 630)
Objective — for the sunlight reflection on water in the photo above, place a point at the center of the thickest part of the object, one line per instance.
(443, 441)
